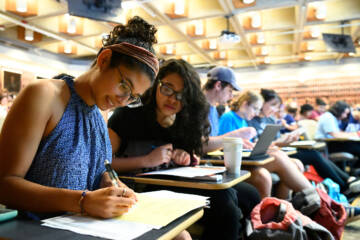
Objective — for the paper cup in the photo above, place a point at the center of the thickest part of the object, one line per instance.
(232, 154)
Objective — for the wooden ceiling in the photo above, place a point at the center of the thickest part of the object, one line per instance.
(271, 31)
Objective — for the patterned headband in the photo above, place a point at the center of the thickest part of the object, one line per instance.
(137, 52)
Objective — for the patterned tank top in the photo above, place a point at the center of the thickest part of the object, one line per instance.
(72, 155)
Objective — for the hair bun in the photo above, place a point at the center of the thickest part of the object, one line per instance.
(137, 31)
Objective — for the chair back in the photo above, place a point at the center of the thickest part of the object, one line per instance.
(310, 127)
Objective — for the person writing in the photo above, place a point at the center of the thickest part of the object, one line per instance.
(145, 138)
(54, 140)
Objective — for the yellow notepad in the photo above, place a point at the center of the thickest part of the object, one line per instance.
(163, 207)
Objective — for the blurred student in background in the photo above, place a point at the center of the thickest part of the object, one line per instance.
(320, 108)
(221, 82)
(244, 109)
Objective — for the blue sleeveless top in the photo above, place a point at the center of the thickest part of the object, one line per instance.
(72, 155)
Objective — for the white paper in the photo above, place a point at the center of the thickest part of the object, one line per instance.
(303, 143)
(105, 228)
(188, 172)
(118, 228)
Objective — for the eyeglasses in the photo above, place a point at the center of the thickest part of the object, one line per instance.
(133, 101)
(168, 91)
(256, 110)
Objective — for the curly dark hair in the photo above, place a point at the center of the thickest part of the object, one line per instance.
(138, 32)
(191, 126)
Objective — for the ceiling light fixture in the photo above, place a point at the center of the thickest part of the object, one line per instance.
(212, 44)
(256, 20)
(199, 28)
(71, 27)
(179, 6)
(29, 35)
(129, 4)
(321, 10)
(307, 57)
(67, 47)
(248, 1)
(315, 33)
(266, 60)
(21, 6)
(260, 38)
(228, 37)
(264, 51)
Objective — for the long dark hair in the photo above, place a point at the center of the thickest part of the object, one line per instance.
(138, 32)
(191, 126)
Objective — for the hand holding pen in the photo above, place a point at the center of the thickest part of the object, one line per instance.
(112, 199)
(112, 179)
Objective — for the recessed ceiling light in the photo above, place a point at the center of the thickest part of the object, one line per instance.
(248, 1)
(29, 35)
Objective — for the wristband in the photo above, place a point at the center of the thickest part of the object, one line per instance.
(81, 202)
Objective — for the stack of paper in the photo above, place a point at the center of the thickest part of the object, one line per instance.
(153, 211)
(187, 172)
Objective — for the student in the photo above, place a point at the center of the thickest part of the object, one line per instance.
(306, 111)
(328, 127)
(243, 109)
(221, 82)
(323, 166)
(170, 129)
(289, 122)
(320, 108)
(54, 141)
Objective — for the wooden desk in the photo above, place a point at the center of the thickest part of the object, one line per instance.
(228, 181)
(32, 230)
(243, 162)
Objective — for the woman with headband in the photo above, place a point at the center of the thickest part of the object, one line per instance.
(54, 141)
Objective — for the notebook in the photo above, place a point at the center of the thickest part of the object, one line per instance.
(262, 145)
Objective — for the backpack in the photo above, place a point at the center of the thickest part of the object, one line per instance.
(333, 190)
(326, 212)
(276, 219)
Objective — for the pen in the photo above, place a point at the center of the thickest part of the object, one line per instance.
(112, 174)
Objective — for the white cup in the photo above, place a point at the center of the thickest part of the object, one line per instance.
(232, 154)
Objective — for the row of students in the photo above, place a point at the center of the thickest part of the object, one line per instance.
(171, 129)
(54, 141)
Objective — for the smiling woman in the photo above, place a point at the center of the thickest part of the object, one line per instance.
(54, 141)
(141, 140)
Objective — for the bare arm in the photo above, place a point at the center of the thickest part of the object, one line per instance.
(19, 140)
(216, 142)
(22, 132)
(342, 134)
(158, 156)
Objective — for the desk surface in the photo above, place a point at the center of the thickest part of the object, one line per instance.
(339, 139)
(316, 146)
(228, 181)
(243, 162)
(32, 230)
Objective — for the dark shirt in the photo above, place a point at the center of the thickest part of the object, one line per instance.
(138, 125)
